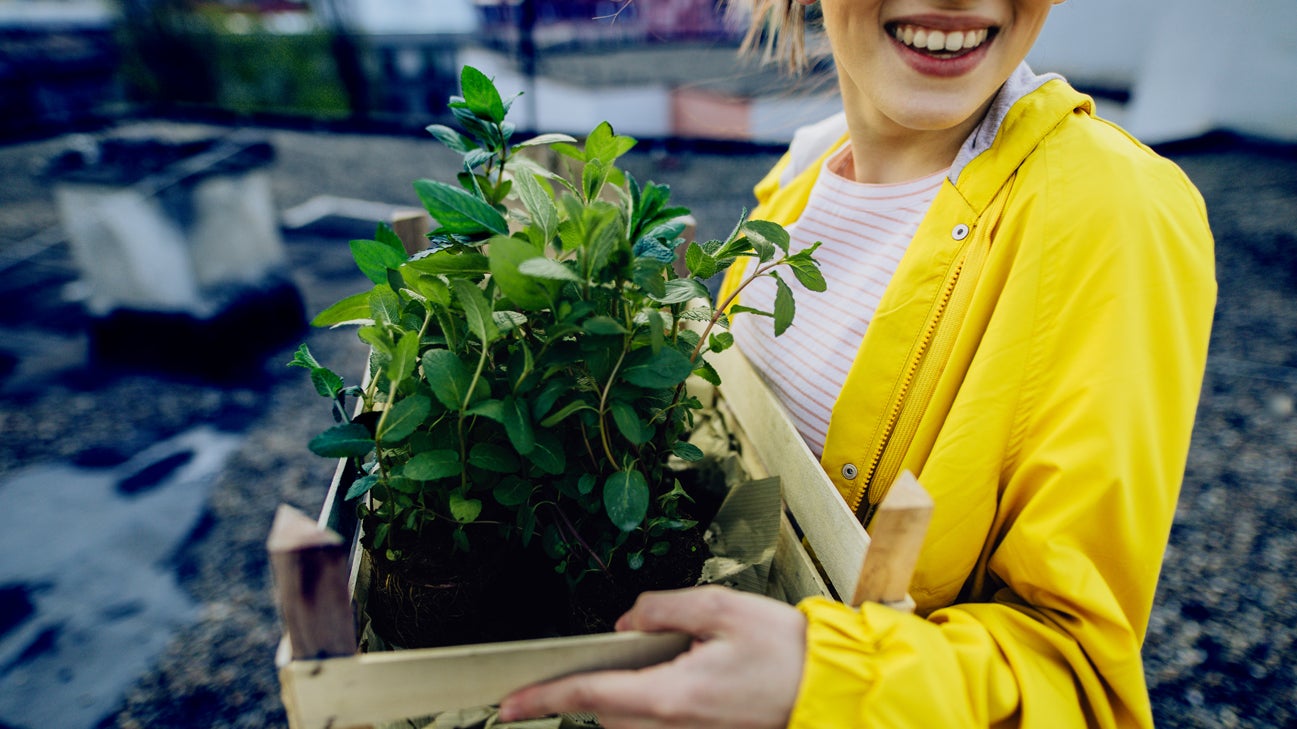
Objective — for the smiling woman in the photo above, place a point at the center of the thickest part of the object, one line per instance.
(1033, 350)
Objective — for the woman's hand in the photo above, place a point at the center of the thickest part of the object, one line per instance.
(743, 669)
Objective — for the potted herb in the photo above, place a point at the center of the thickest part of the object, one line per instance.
(526, 381)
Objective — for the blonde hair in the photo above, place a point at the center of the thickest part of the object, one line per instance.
(776, 30)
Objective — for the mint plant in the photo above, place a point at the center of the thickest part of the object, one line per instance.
(526, 376)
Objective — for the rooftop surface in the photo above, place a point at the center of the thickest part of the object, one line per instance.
(164, 487)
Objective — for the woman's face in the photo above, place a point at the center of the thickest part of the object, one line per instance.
(927, 65)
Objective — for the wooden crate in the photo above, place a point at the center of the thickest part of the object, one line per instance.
(356, 690)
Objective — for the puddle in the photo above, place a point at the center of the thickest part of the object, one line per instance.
(90, 600)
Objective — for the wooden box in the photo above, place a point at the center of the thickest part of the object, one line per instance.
(358, 690)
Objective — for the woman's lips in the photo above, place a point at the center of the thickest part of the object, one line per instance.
(941, 52)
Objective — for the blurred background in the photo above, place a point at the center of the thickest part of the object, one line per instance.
(178, 183)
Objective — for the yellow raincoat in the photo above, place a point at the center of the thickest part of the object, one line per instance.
(1036, 361)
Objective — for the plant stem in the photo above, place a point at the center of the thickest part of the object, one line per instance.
(720, 309)
(463, 436)
(577, 535)
(603, 408)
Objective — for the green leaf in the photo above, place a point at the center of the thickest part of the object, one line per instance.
(806, 269)
(526, 292)
(585, 484)
(402, 419)
(507, 321)
(593, 176)
(476, 310)
(432, 465)
(481, 95)
(348, 440)
(720, 341)
(405, 358)
(699, 263)
(635, 560)
(687, 451)
(548, 454)
(465, 511)
(433, 288)
(512, 491)
(403, 485)
(374, 258)
(459, 537)
(326, 381)
(667, 368)
(563, 412)
(451, 138)
(765, 236)
(708, 373)
(450, 379)
(526, 525)
(784, 308)
(361, 486)
(384, 234)
(626, 498)
(352, 310)
(385, 306)
(548, 268)
(680, 290)
(449, 262)
(603, 325)
(493, 409)
(457, 211)
(492, 457)
(517, 424)
(605, 145)
(540, 139)
(740, 309)
(540, 207)
(303, 358)
(477, 157)
(628, 422)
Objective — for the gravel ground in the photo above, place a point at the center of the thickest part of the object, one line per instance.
(1220, 645)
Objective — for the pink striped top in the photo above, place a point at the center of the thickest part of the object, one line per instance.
(865, 230)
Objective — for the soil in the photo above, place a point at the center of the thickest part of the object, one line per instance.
(441, 599)
(600, 598)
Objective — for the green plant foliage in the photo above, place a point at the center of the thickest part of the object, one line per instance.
(527, 372)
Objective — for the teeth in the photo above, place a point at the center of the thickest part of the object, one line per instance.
(935, 41)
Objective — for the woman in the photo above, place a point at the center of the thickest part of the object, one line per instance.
(1026, 331)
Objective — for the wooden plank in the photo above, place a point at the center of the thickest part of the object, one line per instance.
(898, 529)
(794, 570)
(834, 534)
(360, 690)
(310, 574)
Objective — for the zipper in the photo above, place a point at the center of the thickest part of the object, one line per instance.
(920, 382)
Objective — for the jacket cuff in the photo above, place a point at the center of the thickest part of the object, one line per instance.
(838, 673)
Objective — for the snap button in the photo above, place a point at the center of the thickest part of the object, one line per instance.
(849, 471)
(960, 232)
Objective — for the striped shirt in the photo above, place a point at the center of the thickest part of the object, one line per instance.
(865, 230)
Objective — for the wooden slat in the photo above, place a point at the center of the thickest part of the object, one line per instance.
(310, 574)
(835, 536)
(364, 689)
(794, 571)
(898, 528)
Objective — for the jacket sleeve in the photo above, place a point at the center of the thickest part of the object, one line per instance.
(1105, 331)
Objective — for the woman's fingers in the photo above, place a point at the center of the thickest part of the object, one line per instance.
(743, 669)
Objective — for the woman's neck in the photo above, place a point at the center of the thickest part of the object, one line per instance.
(884, 152)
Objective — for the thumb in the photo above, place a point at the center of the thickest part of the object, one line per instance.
(699, 611)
